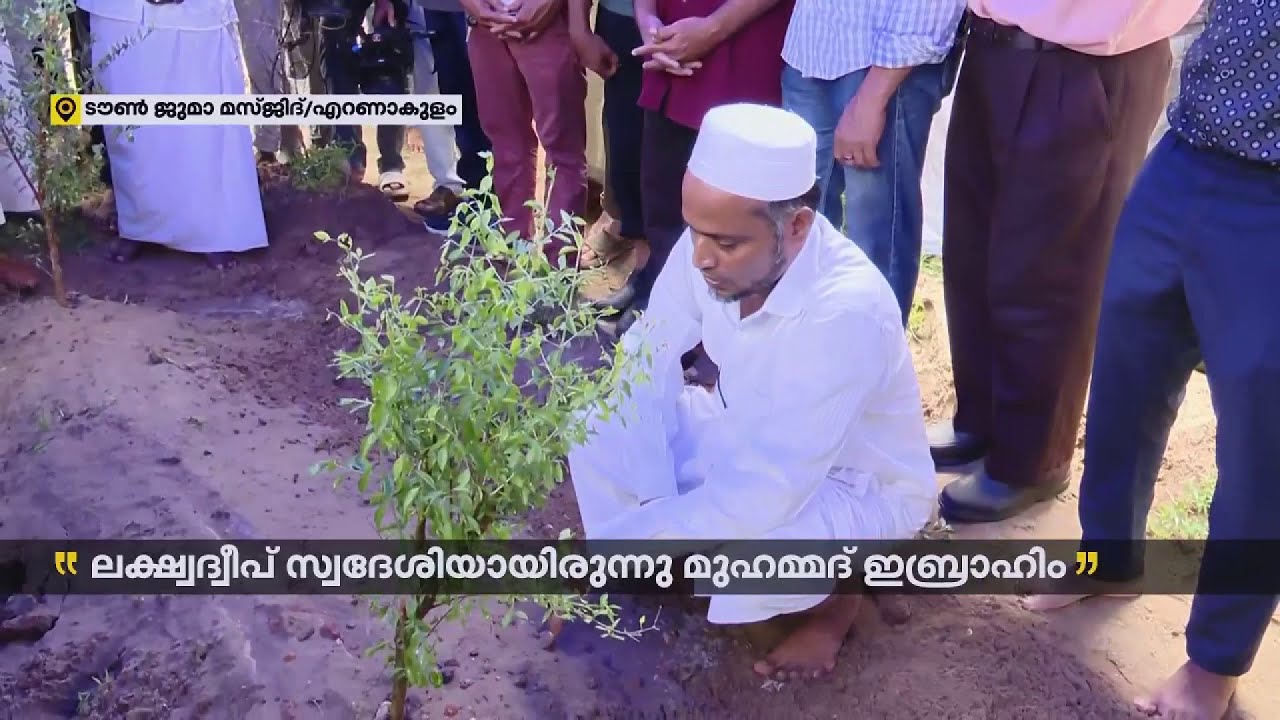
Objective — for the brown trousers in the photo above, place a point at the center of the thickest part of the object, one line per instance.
(526, 85)
(1042, 149)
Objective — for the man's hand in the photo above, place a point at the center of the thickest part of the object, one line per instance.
(594, 54)
(684, 41)
(384, 12)
(533, 16)
(487, 13)
(859, 130)
(862, 123)
(655, 59)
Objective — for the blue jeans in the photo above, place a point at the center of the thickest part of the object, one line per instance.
(1192, 276)
(883, 206)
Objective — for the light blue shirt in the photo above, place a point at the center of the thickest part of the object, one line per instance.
(828, 39)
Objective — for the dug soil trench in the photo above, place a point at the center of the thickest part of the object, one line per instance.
(176, 402)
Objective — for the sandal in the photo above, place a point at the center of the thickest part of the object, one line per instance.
(392, 184)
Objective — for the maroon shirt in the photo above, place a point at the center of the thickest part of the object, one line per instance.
(745, 68)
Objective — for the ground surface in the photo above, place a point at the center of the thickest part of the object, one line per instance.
(176, 401)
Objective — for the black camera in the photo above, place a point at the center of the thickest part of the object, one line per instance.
(387, 52)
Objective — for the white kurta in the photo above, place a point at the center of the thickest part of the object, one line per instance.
(192, 188)
(16, 194)
(815, 431)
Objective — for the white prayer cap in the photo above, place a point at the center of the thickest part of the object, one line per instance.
(756, 151)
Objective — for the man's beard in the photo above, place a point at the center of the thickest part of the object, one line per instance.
(761, 286)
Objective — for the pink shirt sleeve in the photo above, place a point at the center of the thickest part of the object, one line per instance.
(1094, 27)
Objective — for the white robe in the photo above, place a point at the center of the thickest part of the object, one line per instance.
(815, 432)
(193, 188)
(16, 194)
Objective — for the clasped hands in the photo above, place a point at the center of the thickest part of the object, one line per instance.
(519, 20)
(677, 48)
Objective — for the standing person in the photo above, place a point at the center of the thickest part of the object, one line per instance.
(869, 76)
(447, 28)
(1054, 109)
(698, 54)
(344, 76)
(1192, 277)
(531, 78)
(79, 22)
(608, 50)
(16, 194)
(260, 35)
(192, 188)
(437, 140)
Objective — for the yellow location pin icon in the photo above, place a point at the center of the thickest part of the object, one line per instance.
(64, 109)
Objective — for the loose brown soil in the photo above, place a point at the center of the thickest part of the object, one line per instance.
(178, 401)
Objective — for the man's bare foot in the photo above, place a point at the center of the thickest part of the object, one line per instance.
(811, 650)
(1191, 693)
(1052, 596)
(1049, 603)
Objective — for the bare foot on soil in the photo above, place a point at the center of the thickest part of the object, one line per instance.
(1053, 599)
(812, 649)
(1191, 693)
(1049, 603)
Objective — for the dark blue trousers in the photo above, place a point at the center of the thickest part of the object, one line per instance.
(1193, 275)
(623, 120)
(448, 33)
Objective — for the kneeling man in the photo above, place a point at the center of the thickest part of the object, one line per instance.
(814, 430)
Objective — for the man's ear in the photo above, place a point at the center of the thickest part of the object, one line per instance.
(801, 222)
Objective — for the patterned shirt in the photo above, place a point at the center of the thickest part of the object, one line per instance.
(828, 39)
(1230, 94)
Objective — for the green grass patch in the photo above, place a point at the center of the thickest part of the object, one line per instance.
(319, 169)
(1185, 516)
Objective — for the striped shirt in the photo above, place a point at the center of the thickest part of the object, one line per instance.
(828, 39)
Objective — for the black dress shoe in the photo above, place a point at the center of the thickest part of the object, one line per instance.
(979, 498)
(954, 449)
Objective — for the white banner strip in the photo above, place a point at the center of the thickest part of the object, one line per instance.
(141, 110)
